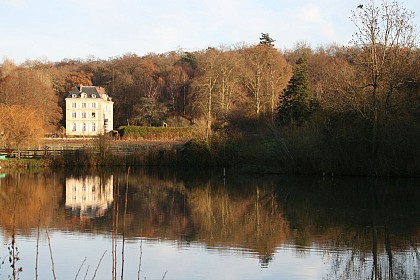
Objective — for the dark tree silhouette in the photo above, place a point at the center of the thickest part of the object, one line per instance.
(296, 103)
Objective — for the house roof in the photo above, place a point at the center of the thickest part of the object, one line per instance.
(90, 90)
(74, 91)
(98, 92)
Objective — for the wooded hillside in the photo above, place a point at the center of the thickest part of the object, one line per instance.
(354, 102)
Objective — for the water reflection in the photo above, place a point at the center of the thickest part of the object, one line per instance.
(30, 200)
(367, 228)
(357, 228)
(90, 196)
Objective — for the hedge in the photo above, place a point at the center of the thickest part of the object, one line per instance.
(155, 133)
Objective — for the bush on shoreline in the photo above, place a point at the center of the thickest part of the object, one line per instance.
(155, 133)
(339, 146)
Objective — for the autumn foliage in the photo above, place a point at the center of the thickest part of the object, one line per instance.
(19, 126)
(345, 109)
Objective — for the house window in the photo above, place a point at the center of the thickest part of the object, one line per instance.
(84, 115)
(73, 105)
(84, 127)
(94, 105)
(74, 95)
(73, 115)
(93, 115)
(83, 105)
(83, 95)
(73, 127)
(93, 95)
(94, 127)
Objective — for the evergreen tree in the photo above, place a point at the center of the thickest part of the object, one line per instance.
(266, 40)
(296, 103)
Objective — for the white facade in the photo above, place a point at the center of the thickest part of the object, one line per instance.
(89, 111)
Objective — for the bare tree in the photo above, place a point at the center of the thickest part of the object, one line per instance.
(253, 79)
(266, 76)
(386, 35)
(205, 87)
(6, 68)
(231, 95)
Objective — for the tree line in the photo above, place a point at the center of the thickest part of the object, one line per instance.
(215, 83)
(364, 96)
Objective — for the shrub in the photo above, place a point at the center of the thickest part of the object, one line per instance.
(155, 133)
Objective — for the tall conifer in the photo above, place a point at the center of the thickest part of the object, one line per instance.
(296, 103)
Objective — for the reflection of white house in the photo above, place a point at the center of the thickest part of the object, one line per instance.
(89, 196)
(89, 111)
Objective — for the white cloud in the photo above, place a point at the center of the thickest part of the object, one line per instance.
(312, 18)
(114, 27)
(13, 2)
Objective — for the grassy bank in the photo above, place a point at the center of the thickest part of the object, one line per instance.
(189, 154)
(23, 164)
(155, 133)
(333, 146)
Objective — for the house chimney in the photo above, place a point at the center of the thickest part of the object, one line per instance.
(81, 86)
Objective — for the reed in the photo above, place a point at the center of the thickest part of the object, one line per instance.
(115, 222)
(80, 268)
(51, 255)
(37, 244)
(124, 224)
(141, 255)
(97, 267)
(87, 270)
(13, 249)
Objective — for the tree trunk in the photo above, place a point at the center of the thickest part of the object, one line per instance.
(18, 152)
(375, 126)
(208, 121)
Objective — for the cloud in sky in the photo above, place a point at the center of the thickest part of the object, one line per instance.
(315, 20)
(58, 29)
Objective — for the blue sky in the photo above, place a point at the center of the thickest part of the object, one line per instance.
(59, 29)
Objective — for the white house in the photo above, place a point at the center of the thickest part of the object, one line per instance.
(89, 111)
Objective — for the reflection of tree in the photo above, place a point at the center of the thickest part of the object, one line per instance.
(37, 197)
(368, 227)
(369, 255)
(155, 207)
(223, 218)
(206, 211)
(364, 229)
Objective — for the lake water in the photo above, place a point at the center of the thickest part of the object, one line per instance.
(198, 224)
